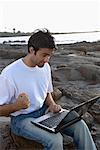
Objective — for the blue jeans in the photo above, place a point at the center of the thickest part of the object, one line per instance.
(21, 125)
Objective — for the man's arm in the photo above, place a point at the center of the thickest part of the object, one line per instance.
(7, 109)
(52, 106)
(22, 102)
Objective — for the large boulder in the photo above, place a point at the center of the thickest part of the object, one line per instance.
(9, 141)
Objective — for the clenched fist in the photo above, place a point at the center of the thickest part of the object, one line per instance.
(22, 101)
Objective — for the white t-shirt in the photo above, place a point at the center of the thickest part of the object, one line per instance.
(17, 78)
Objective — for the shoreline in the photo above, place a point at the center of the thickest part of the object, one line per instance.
(61, 38)
(11, 34)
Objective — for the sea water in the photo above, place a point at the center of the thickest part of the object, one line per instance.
(59, 38)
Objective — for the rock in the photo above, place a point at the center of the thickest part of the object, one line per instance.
(6, 141)
(9, 141)
(23, 143)
(65, 102)
(96, 112)
(88, 119)
(90, 72)
(95, 131)
(68, 143)
(57, 94)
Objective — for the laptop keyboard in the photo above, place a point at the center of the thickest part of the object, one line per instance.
(54, 120)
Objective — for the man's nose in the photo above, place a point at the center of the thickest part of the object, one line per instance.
(46, 59)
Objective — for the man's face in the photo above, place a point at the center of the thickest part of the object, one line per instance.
(42, 56)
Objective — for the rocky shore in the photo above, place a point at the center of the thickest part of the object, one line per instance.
(76, 78)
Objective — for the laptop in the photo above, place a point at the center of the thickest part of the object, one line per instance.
(55, 122)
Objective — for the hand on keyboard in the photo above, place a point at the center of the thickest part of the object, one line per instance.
(53, 108)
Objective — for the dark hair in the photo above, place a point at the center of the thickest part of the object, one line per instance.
(41, 39)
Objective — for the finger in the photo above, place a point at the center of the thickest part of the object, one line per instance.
(28, 104)
(22, 94)
(57, 108)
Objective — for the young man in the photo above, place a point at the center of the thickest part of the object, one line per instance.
(25, 93)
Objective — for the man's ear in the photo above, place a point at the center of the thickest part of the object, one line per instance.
(31, 50)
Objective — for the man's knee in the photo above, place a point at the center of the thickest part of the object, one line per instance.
(80, 127)
(80, 124)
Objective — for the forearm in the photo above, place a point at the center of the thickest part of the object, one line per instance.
(52, 106)
(7, 109)
(49, 100)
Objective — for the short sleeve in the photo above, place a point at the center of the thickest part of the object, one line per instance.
(6, 90)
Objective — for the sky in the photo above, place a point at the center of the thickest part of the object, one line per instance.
(55, 15)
